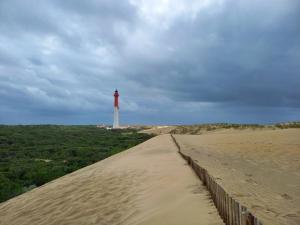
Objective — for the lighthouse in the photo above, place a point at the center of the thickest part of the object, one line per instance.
(116, 110)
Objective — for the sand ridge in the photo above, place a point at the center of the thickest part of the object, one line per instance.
(148, 184)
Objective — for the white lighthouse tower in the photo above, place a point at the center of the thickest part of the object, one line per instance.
(116, 110)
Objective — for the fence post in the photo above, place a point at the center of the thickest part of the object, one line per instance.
(244, 215)
(237, 212)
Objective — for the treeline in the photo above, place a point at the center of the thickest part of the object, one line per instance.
(30, 156)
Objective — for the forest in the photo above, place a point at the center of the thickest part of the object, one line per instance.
(32, 155)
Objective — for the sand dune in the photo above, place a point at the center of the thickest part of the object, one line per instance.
(148, 184)
(261, 169)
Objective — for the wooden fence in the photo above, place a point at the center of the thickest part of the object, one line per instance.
(230, 210)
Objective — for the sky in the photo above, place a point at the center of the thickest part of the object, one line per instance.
(173, 61)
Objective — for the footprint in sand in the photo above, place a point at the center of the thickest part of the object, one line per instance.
(257, 207)
(242, 195)
(289, 215)
(286, 196)
(196, 189)
(251, 181)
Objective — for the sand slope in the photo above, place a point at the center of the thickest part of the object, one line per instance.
(261, 169)
(148, 184)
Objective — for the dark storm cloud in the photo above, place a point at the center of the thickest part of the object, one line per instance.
(121, 10)
(233, 56)
(208, 61)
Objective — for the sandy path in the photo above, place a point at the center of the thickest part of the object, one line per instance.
(148, 184)
(261, 169)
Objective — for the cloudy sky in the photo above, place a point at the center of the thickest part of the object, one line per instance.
(173, 61)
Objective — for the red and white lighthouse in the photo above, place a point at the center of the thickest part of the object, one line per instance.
(116, 109)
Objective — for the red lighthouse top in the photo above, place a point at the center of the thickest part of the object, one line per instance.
(116, 103)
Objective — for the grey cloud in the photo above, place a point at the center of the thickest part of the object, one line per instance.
(17, 17)
(235, 61)
(104, 8)
(231, 56)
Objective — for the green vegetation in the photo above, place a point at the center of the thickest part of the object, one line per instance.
(202, 128)
(30, 156)
(288, 125)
